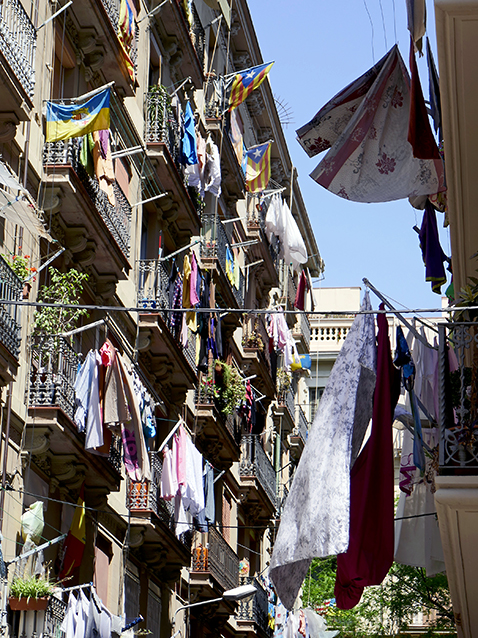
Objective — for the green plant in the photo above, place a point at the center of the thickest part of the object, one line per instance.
(19, 265)
(284, 381)
(33, 587)
(64, 289)
(230, 386)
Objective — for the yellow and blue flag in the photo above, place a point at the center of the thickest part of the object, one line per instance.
(257, 167)
(75, 120)
(245, 82)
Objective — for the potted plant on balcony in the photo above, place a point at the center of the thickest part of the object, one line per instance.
(20, 266)
(31, 594)
(230, 387)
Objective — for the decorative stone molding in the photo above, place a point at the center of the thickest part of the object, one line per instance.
(264, 134)
(255, 104)
(242, 60)
(75, 238)
(37, 440)
(277, 170)
(52, 196)
(8, 126)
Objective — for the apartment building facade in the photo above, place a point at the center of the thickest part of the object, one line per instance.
(131, 242)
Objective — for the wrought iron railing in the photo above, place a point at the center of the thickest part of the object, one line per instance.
(196, 30)
(302, 328)
(112, 8)
(281, 500)
(205, 397)
(10, 290)
(255, 462)
(54, 615)
(18, 40)
(145, 496)
(458, 398)
(162, 124)
(256, 219)
(53, 370)
(117, 218)
(255, 609)
(53, 373)
(287, 398)
(153, 282)
(216, 245)
(302, 425)
(218, 559)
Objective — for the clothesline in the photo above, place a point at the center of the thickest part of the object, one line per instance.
(251, 311)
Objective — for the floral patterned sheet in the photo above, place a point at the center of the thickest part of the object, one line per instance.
(365, 128)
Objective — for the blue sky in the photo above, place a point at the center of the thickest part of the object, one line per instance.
(319, 47)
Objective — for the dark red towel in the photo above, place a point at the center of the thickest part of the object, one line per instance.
(370, 552)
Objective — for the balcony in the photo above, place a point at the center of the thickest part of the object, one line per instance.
(10, 338)
(173, 364)
(52, 437)
(286, 408)
(252, 615)
(258, 477)
(96, 24)
(217, 435)
(163, 140)
(265, 250)
(298, 437)
(301, 332)
(185, 37)
(214, 250)
(17, 53)
(93, 229)
(215, 560)
(153, 524)
(27, 623)
(255, 346)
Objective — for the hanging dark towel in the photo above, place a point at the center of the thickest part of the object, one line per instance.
(370, 552)
(219, 347)
(420, 133)
(203, 323)
(432, 253)
(434, 91)
(208, 514)
(299, 302)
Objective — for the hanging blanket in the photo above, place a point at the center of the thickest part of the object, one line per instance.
(315, 520)
(366, 127)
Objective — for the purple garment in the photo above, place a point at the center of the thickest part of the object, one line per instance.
(432, 253)
(104, 137)
(193, 295)
(177, 317)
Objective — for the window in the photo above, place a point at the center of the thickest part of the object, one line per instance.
(103, 555)
(153, 616)
(131, 595)
(226, 516)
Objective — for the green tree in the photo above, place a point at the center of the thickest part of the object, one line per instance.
(387, 609)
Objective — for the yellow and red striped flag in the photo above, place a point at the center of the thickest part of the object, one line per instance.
(245, 82)
(257, 167)
(126, 34)
(75, 541)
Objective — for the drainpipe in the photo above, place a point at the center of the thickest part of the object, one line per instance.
(277, 463)
(5, 452)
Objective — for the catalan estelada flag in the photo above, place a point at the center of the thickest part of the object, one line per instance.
(78, 119)
(257, 167)
(75, 541)
(126, 31)
(245, 82)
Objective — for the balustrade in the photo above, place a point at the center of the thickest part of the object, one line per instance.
(255, 462)
(10, 290)
(112, 8)
(117, 218)
(216, 245)
(255, 609)
(218, 559)
(329, 335)
(255, 336)
(18, 40)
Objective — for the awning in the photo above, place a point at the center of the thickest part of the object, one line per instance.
(19, 211)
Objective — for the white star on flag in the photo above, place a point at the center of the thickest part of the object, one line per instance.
(250, 74)
(257, 153)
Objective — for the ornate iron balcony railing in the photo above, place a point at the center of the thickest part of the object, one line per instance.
(302, 327)
(302, 425)
(18, 41)
(10, 290)
(458, 399)
(112, 8)
(287, 398)
(216, 245)
(153, 282)
(117, 218)
(255, 462)
(255, 609)
(145, 496)
(255, 336)
(162, 124)
(196, 30)
(53, 370)
(218, 559)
